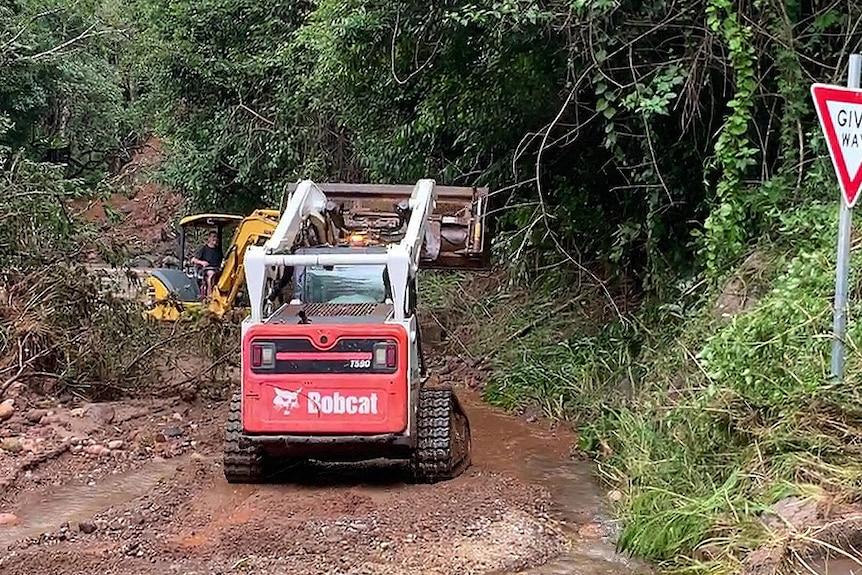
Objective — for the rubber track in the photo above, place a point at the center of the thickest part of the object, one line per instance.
(439, 415)
(242, 464)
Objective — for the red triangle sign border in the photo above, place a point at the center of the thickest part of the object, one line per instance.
(822, 94)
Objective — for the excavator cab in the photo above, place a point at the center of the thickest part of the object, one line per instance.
(175, 294)
(193, 233)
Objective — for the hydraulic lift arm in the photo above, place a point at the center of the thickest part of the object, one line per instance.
(401, 259)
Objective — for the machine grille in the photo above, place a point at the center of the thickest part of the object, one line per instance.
(340, 309)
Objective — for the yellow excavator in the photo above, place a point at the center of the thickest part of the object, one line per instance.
(174, 294)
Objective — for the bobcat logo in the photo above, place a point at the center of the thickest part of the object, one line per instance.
(286, 399)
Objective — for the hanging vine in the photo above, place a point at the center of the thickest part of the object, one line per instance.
(726, 230)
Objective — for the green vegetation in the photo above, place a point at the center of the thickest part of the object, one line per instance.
(702, 409)
(69, 119)
(649, 160)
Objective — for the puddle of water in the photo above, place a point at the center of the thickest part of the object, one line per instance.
(574, 563)
(501, 443)
(44, 512)
(507, 444)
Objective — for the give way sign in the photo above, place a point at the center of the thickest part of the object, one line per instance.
(840, 113)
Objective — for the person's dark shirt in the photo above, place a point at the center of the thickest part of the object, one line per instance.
(212, 256)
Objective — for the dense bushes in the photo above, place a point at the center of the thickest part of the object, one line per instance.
(702, 410)
(68, 121)
(631, 134)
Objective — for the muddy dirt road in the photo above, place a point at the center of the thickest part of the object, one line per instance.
(137, 487)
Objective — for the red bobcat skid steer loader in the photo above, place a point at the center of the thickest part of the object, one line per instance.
(335, 372)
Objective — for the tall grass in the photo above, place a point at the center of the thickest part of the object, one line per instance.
(701, 419)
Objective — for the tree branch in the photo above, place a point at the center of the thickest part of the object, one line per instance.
(88, 33)
(24, 28)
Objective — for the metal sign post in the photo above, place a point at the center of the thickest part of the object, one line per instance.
(840, 113)
(839, 323)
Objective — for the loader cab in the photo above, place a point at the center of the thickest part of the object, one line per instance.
(193, 232)
(347, 284)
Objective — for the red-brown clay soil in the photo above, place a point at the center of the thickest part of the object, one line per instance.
(145, 209)
(137, 487)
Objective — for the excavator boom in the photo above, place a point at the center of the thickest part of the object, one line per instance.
(253, 230)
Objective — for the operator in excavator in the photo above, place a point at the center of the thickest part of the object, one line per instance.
(209, 257)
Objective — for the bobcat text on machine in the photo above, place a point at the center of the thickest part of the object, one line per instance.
(336, 372)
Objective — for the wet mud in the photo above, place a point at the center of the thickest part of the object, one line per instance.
(536, 454)
(525, 505)
(43, 511)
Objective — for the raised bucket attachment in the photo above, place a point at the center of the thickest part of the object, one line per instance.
(378, 214)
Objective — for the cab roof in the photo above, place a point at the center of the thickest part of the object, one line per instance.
(209, 219)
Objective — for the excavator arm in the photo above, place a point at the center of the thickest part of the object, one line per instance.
(254, 230)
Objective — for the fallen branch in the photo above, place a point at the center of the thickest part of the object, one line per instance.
(529, 327)
(22, 367)
(443, 327)
(206, 370)
(159, 344)
(829, 546)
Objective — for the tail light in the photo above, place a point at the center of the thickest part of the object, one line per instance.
(384, 354)
(263, 355)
